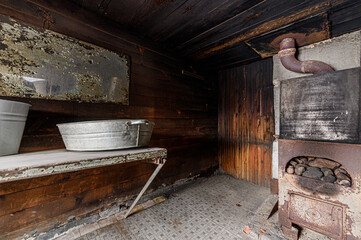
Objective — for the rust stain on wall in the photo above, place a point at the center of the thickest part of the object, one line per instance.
(39, 63)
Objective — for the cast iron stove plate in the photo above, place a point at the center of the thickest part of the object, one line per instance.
(318, 215)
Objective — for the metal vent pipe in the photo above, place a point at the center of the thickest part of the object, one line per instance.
(289, 61)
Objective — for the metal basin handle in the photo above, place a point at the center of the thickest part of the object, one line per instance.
(146, 122)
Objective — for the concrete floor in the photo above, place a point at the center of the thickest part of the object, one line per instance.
(218, 207)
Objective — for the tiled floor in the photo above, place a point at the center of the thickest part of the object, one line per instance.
(214, 208)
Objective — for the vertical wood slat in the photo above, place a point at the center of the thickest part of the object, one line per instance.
(246, 121)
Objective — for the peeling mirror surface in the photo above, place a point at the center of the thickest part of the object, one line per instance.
(40, 63)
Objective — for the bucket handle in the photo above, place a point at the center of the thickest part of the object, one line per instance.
(130, 123)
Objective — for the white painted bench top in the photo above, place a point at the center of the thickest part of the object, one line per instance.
(37, 164)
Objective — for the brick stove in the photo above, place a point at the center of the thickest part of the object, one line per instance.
(329, 208)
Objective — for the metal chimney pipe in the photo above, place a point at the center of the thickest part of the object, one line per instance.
(289, 61)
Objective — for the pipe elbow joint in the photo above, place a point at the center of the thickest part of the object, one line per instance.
(289, 61)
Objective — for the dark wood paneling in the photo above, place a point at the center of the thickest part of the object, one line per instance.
(346, 18)
(201, 29)
(261, 19)
(267, 26)
(170, 22)
(233, 55)
(196, 17)
(184, 110)
(311, 30)
(245, 121)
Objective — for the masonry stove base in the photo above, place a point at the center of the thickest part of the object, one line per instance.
(327, 208)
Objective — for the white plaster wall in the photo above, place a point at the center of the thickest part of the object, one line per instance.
(341, 53)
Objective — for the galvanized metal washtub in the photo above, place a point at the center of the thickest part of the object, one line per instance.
(106, 134)
(12, 122)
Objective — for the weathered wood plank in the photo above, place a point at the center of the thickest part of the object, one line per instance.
(28, 184)
(193, 18)
(37, 164)
(262, 18)
(245, 122)
(188, 26)
(176, 145)
(55, 204)
(346, 18)
(238, 53)
(39, 196)
(310, 30)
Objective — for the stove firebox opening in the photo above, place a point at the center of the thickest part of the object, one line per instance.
(322, 169)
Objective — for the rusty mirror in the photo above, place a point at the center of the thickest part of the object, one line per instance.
(40, 63)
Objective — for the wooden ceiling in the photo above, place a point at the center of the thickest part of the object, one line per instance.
(221, 32)
(210, 33)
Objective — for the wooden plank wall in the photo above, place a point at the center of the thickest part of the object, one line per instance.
(246, 121)
(184, 110)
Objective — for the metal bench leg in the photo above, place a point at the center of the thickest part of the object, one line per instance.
(160, 165)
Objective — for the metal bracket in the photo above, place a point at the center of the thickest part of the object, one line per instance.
(158, 161)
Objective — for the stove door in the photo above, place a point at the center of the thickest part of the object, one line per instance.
(324, 217)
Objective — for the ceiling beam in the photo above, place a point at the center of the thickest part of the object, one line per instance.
(271, 25)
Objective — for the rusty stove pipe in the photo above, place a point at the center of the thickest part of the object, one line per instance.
(289, 61)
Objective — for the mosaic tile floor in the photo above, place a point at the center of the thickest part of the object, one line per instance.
(217, 208)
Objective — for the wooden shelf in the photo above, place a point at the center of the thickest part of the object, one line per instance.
(37, 164)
